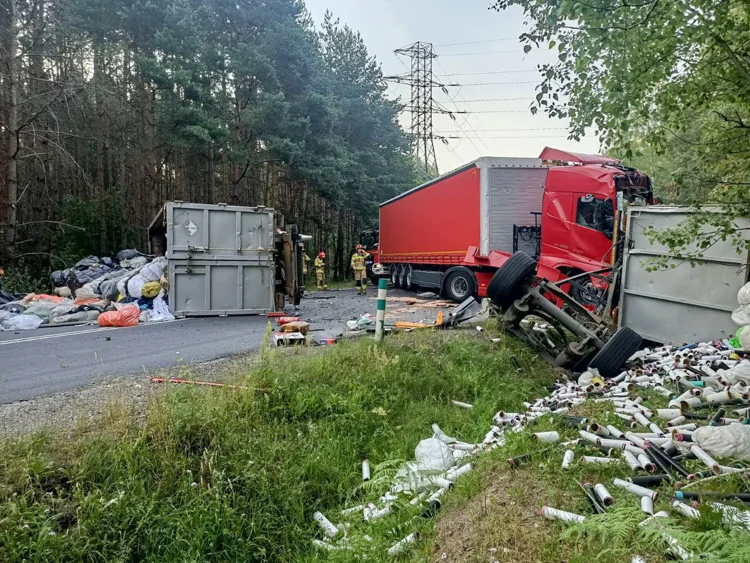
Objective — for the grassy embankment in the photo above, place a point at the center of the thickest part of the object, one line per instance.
(235, 475)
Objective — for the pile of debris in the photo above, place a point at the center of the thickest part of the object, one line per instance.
(119, 291)
(707, 421)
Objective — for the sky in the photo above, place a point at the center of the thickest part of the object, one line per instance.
(469, 39)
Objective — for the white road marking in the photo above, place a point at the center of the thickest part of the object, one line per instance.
(71, 333)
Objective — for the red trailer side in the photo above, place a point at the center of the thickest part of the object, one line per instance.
(434, 223)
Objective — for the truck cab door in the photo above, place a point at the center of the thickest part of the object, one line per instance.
(592, 232)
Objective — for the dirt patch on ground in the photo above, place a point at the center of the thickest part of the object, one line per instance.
(500, 524)
(68, 412)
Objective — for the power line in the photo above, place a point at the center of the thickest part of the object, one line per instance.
(466, 118)
(478, 42)
(498, 83)
(498, 100)
(517, 51)
(507, 137)
(503, 130)
(493, 72)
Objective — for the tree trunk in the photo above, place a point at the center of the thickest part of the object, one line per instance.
(8, 198)
(100, 147)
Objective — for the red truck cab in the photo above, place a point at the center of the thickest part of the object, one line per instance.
(452, 233)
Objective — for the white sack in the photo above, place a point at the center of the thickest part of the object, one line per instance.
(724, 441)
(434, 454)
(743, 295)
(741, 315)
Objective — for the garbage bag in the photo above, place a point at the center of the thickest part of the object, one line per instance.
(20, 322)
(58, 278)
(432, 454)
(77, 317)
(86, 292)
(122, 283)
(127, 315)
(151, 289)
(154, 270)
(63, 291)
(741, 315)
(743, 295)
(41, 309)
(35, 297)
(744, 336)
(61, 311)
(6, 298)
(87, 262)
(161, 310)
(135, 285)
(13, 307)
(128, 254)
(145, 316)
(107, 261)
(724, 441)
(133, 263)
(83, 277)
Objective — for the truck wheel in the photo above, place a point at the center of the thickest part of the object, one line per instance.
(407, 277)
(402, 275)
(459, 286)
(511, 279)
(395, 275)
(610, 359)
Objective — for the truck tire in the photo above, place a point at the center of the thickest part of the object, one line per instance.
(402, 275)
(612, 357)
(408, 285)
(459, 286)
(511, 279)
(395, 275)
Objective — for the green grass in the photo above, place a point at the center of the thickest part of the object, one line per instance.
(235, 475)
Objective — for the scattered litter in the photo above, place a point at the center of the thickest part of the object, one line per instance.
(195, 382)
(20, 322)
(288, 338)
(362, 323)
(462, 405)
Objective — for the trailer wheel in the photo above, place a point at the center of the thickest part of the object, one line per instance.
(395, 275)
(511, 280)
(407, 277)
(459, 286)
(402, 275)
(613, 355)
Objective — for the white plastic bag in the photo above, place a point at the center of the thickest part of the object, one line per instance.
(743, 295)
(135, 285)
(434, 454)
(745, 337)
(741, 315)
(724, 441)
(21, 322)
(154, 270)
(740, 372)
(161, 310)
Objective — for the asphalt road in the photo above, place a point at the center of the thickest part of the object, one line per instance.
(50, 360)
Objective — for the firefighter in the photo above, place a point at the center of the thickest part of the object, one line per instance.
(305, 262)
(359, 259)
(320, 270)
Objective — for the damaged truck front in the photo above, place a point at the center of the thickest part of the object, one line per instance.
(452, 233)
(228, 260)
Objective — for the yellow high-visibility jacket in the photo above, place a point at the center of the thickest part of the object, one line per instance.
(358, 261)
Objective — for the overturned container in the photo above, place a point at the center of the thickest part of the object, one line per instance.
(227, 260)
